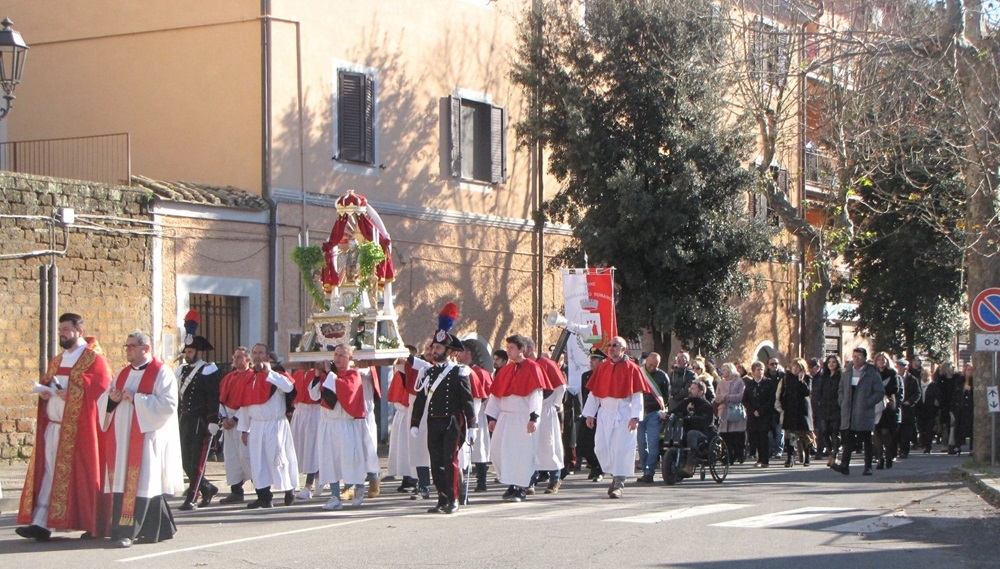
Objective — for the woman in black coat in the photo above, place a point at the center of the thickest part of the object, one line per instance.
(962, 410)
(826, 407)
(758, 398)
(796, 412)
(887, 426)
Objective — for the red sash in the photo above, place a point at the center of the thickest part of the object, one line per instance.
(135, 441)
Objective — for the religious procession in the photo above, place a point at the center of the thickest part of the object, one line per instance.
(114, 447)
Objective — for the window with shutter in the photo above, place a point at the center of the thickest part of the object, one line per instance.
(355, 117)
(478, 141)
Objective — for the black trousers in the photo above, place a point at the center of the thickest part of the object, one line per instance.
(194, 440)
(852, 440)
(443, 440)
(761, 443)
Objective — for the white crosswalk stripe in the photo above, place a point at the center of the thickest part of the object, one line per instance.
(781, 518)
(679, 513)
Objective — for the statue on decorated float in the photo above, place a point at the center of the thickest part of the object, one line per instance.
(355, 298)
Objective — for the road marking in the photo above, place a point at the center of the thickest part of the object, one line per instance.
(245, 539)
(873, 525)
(679, 513)
(566, 510)
(781, 518)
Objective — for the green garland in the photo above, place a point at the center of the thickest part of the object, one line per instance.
(310, 260)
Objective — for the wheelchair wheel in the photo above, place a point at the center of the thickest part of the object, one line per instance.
(718, 463)
(669, 467)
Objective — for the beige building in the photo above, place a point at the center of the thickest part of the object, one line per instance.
(246, 120)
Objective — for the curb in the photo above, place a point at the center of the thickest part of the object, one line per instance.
(984, 484)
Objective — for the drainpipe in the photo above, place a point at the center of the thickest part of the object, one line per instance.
(265, 127)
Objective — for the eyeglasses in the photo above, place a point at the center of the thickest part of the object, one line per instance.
(130, 346)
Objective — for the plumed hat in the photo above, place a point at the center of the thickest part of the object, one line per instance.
(199, 343)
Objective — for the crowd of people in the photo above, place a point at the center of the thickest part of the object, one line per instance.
(110, 448)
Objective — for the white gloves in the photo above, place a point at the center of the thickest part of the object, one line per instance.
(213, 429)
(414, 432)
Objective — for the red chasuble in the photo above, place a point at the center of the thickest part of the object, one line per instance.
(303, 378)
(397, 390)
(77, 484)
(618, 380)
(233, 386)
(481, 381)
(350, 393)
(518, 379)
(553, 375)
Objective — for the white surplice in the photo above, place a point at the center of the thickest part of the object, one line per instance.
(272, 450)
(481, 447)
(399, 445)
(512, 449)
(340, 439)
(305, 422)
(614, 444)
(370, 438)
(161, 472)
(235, 454)
(550, 444)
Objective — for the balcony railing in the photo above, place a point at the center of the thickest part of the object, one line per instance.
(820, 170)
(104, 158)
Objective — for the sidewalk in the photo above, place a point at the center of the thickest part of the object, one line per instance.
(983, 478)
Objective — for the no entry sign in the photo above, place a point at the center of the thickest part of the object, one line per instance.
(986, 310)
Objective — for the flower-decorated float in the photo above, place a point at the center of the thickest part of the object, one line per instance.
(350, 280)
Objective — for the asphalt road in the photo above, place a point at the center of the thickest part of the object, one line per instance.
(915, 515)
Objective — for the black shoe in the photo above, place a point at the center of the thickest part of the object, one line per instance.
(207, 495)
(258, 503)
(507, 495)
(233, 499)
(645, 479)
(451, 508)
(519, 495)
(845, 470)
(187, 506)
(867, 471)
(289, 498)
(123, 543)
(480, 488)
(880, 465)
(888, 463)
(86, 536)
(404, 488)
(437, 509)
(33, 532)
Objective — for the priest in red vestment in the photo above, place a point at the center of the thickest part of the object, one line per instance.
(62, 490)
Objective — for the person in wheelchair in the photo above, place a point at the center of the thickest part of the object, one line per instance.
(698, 417)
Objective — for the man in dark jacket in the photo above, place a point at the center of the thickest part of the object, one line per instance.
(910, 382)
(758, 398)
(681, 377)
(860, 391)
(698, 418)
(648, 437)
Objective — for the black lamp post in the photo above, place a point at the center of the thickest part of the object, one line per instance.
(12, 53)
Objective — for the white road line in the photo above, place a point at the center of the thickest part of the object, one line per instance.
(656, 517)
(781, 518)
(873, 525)
(245, 539)
(566, 510)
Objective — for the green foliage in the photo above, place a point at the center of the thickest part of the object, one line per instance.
(631, 108)
(907, 257)
(310, 261)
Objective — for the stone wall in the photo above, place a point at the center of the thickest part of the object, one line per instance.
(103, 276)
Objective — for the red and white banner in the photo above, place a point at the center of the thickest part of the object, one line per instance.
(590, 313)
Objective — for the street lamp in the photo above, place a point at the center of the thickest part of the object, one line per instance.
(12, 53)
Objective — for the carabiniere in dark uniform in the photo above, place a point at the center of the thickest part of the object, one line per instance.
(450, 413)
(198, 406)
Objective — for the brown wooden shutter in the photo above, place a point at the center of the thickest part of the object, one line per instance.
(455, 125)
(355, 117)
(498, 146)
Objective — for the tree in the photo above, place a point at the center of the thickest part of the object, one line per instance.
(630, 107)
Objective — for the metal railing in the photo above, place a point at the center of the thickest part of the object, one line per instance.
(820, 169)
(103, 158)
